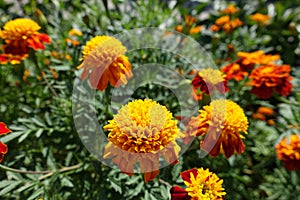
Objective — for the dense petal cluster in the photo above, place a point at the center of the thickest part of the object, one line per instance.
(288, 151)
(267, 79)
(208, 80)
(201, 185)
(21, 35)
(3, 148)
(222, 121)
(141, 132)
(104, 57)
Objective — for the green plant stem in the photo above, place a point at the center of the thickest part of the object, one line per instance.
(43, 76)
(47, 172)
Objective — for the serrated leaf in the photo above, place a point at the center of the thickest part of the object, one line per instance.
(38, 121)
(115, 185)
(39, 133)
(24, 136)
(9, 188)
(36, 194)
(11, 136)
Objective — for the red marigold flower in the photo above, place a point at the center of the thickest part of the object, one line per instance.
(104, 55)
(267, 79)
(288, 151)
(3, 148)
(201, 184)
(209, 79)
(20, 35)
(222, 121)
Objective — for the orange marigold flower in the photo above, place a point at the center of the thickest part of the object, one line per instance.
(222, 121)
(201, 184)
(226, 24)
(222, 20)
(20, 35)
(267, 79)
(142, 131)
(288, 151)
(231, 10)
(265, 111)
(189, 27)
(260, 18)
(104, 55)
(3, 148)
(259, 116)
(209, 79)
(234, 71)
(257, 57)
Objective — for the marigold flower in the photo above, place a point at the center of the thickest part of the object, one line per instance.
(201, 184)
(209, 79)
(104, 55)
(267, 79)
(257, 57)
(222, 20)
(222, 121)
(141, 132)
(3, 148)
(189, 27)
(231, 10)
(234, 71)
(226, 24)
(20, 35)
(265, 111)
(260, 18)
(288, 151)
(75, 32)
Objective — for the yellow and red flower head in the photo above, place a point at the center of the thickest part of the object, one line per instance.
(3, 148)
(207, 80)
(20, 35)
(267, 79)
(230, 10)
(201, 185)
(222, 121)
(104, 57)
(288, 151)
(142, 131)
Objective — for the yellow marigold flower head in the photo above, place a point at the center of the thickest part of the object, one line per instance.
(212, 76)
(141, 132)
(231, 9)
(104, 55)
(260, 18)
(222, 20)
(201, 185)
(20, 35)
(19, 28)
(75, 32)
(222, 121)
(288, 151)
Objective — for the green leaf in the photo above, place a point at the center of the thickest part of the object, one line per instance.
(9, 188)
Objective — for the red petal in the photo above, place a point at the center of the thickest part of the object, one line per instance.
(186, 175)
(3, 129)
(44, 38)
(178, 193)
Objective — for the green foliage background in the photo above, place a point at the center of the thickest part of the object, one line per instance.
(45, 149)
